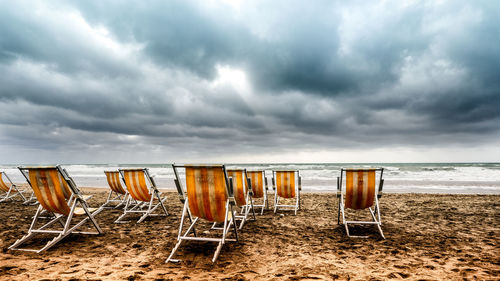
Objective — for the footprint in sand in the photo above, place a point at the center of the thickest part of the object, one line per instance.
(397, 275)
(431, 267)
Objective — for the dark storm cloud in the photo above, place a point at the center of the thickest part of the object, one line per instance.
(329, 74)
(176, 33)
(64, 48)
(300, 54)
(303, 49)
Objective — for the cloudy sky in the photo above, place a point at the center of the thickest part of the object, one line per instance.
(249, 81)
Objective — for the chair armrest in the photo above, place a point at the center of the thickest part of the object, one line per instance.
(339, 191)
(83, 198)
(265, 182)
(272, 181)
(300, 183)
(231, 188)
(249, 184)
(151, 178)
(231, 192)
(380, 187)
(182, 196)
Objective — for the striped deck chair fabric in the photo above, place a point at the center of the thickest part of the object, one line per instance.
(258, 179)
(285, 184)
(3, 185)
(116, 188)
(207, 197)
(10, 190)
(147, 197)
(239, 186)
(51, 190)
(51, 186)
(206, 192)
(360, 193)
(136, 184)
(113, 178)
(360, 189)
(242, 194)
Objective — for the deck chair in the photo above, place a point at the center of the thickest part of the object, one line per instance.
(117, 194)
(8, 190)
(242, 194)
(31, 200)
(208, 196)
(258, 182)
(360, 194)
(59, 196)
(148, 197)
(287, 184)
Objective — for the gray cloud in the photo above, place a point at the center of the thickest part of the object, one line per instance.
(111, 77)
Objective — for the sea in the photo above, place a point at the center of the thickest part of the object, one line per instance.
(454, 178)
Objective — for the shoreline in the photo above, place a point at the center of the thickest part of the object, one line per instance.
(270, 191)
(434, 178)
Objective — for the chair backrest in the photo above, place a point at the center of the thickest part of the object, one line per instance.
(50, 188)
(360, 188)
(285, 183)
(135, 180)
(114, 183)
(257, 179)
(3, 185)
(239, 185)
(207, 192)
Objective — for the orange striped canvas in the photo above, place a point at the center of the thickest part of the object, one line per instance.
(113, 178)
(257, 184)
(136, 185)
(50, 189)
(239, 187)
(360, 189)
(206, 191)
(285, 184)
(3, 186)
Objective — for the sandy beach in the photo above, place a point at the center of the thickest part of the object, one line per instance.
(429, 237)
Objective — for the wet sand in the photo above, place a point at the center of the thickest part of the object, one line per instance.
(429, 237)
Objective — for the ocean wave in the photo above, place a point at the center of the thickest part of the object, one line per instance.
(320, 177)
(426, 169)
